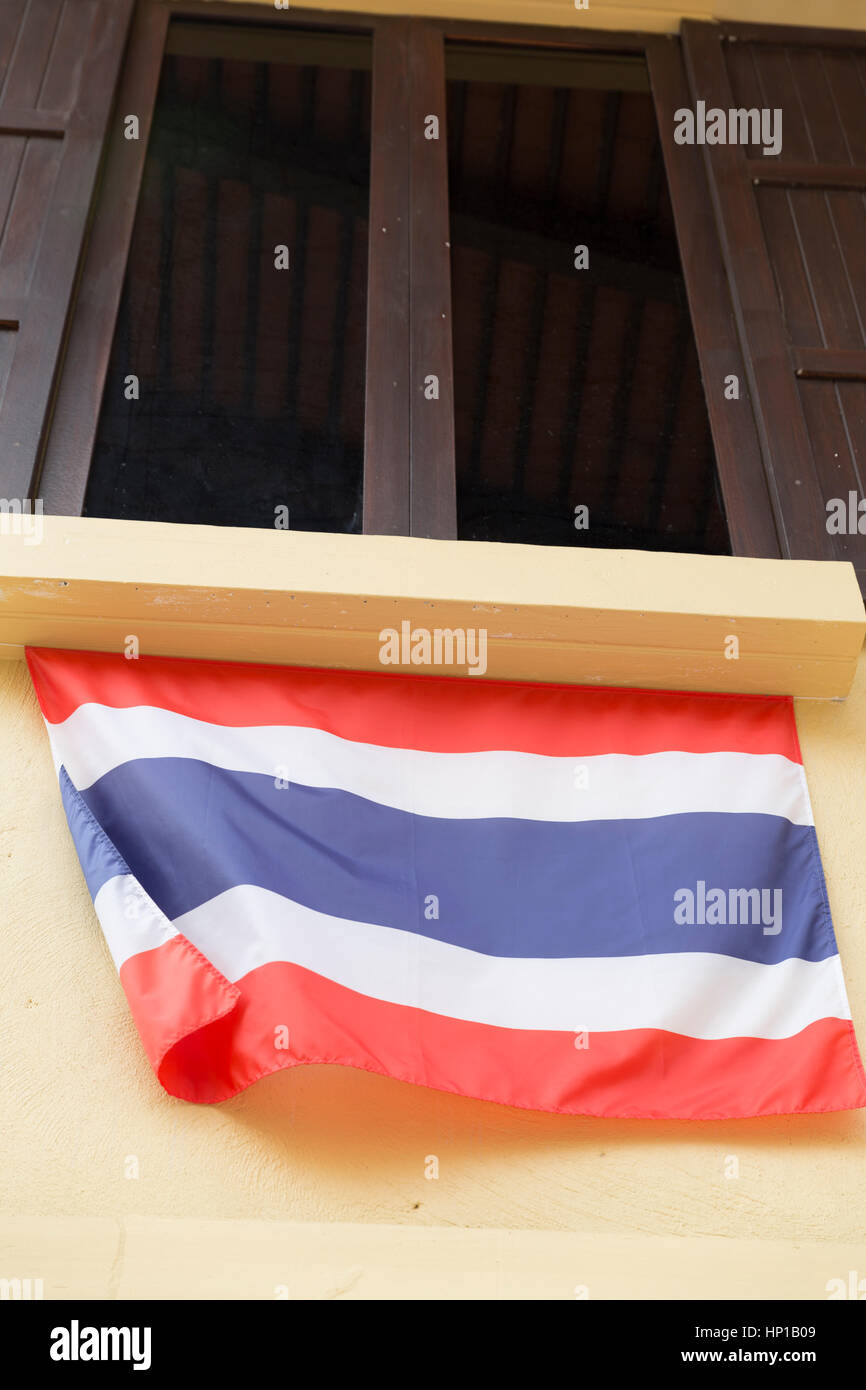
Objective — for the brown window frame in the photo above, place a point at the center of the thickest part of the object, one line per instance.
(409, 484)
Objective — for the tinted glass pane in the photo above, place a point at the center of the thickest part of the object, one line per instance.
(250, 374)
(574, 387)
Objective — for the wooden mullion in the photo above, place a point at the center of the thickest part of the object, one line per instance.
(793, 483)
(387, 502)
(79, 399)
(748, 507)
(433, 485)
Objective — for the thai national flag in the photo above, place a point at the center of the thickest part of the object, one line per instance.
(592, 901)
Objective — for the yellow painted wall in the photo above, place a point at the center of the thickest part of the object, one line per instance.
(646, 15)
(525, 1203)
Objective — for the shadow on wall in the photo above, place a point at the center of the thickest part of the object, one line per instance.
(358, 1128)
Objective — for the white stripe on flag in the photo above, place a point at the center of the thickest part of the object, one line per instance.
(699, 994)
(529, 786)
(130, 920)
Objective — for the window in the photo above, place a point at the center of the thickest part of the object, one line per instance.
(579, 409)
(697, 384)
(235, 386)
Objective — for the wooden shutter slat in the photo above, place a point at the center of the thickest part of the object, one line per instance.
(825, 266)
(849, 94)
(65, 63)
(11, 15)
(797, 305)
(79, 49)
(37, 176)
(778, 88)
(746, 88)
(849, 218)
(816, 100)
(30, 53)
(10, 168)
(828, 419)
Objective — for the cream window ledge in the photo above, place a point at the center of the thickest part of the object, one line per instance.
(580, 616)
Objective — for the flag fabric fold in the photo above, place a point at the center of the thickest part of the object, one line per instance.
(590, 901)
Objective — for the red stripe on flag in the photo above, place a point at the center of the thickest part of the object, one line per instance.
(442, 714)
(175, 993)
(642, 1073)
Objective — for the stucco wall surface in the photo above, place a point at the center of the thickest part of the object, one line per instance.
(83, 1113)
(646, 15)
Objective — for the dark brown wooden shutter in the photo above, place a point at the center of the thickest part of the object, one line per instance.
(59, 61)
(749, 512)
(793, 235)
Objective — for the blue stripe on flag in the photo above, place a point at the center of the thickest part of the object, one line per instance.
(505, 887)
(99, 858)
